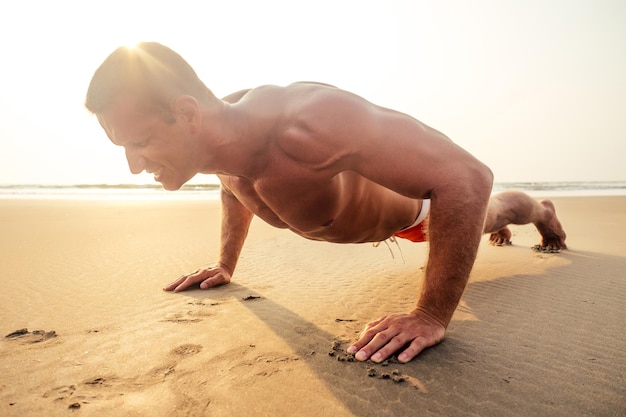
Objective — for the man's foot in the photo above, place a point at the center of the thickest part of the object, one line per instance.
(552, 233)
(500, 238)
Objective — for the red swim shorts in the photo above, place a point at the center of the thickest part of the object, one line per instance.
(417, 233)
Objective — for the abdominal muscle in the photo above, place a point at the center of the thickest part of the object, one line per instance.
(346, 209)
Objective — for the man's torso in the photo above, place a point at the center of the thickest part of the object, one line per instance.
(305, 184)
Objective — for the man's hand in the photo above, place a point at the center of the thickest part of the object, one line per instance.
(207, 277)
(387, 335)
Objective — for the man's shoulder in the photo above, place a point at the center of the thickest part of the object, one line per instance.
(299, 103)
(311, 83)
(307, 108)
(293, 93)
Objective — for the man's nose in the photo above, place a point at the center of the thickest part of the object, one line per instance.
(136, 162)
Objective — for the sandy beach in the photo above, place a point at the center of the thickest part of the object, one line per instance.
(90, 332)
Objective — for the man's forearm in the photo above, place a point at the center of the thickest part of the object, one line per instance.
(455, 229)
(235, 223)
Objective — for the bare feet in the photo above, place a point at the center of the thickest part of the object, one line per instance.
(552, 233)
(500, 238)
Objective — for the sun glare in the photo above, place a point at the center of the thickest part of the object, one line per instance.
(131, 45)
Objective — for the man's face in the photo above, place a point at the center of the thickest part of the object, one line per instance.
(152, 144)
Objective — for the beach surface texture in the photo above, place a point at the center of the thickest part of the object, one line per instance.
(87, 330)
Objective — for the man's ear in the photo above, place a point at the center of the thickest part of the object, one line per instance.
(188, 108)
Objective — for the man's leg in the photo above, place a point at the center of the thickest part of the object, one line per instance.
(514, 207)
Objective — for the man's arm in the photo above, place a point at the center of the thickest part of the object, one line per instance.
(236, 221)
(410, 158)
(455, 226)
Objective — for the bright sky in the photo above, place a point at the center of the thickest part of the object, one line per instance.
(534, 88)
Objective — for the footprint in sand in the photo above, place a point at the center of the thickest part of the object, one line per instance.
(60, 393)
(110, 386)
(186, 350)
(191, 316)
(180, 318)
(83, 392)
(169, 367)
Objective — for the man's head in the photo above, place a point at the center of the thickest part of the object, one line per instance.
(149, 101)
(150, 72)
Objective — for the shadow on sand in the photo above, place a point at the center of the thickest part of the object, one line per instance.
(541, 345)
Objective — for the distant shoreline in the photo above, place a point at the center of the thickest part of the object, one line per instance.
(565, 188)
(211, 190)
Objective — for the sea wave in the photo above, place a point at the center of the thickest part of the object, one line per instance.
(109, 192)
(211, 191)
(565, 188)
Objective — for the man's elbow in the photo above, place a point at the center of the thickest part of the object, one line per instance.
(474, 183)
(483, 177)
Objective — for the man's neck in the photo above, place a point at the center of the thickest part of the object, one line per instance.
(228, 142)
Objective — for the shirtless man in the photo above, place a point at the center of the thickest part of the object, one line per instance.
(322, 162)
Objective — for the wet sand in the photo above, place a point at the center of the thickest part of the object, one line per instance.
(536, 334)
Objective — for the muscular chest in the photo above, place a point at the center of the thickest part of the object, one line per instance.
(302, 202)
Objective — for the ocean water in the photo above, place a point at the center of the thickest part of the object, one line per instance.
(211, 191)
(109, 192)
(565, 189)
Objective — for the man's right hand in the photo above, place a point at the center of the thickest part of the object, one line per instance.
(207, 277)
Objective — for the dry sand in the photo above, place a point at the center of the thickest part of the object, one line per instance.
(535, 334)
